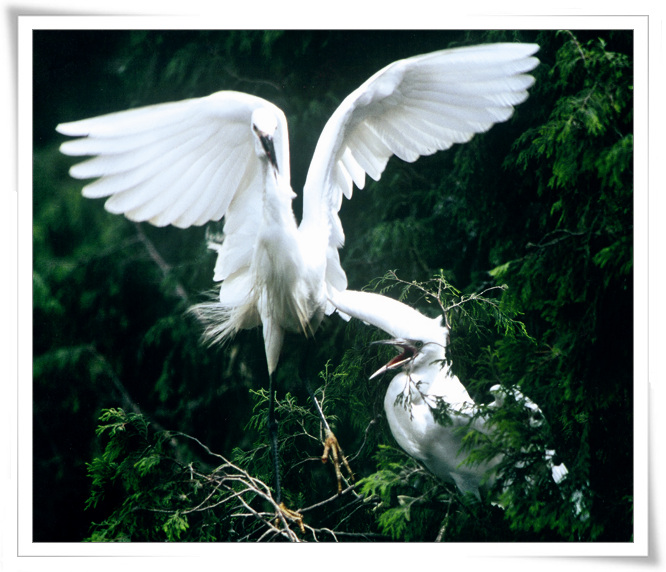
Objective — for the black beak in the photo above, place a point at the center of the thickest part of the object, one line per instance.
(269, 148)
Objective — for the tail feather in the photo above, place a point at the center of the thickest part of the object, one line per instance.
(222, 321)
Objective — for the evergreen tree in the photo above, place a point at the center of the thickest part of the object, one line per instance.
(525, 234)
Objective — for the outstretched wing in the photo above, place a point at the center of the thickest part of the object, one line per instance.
(182, 163)
(412, 107)
(394, 317)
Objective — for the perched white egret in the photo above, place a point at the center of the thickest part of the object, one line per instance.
(425, 386)
(227, 155)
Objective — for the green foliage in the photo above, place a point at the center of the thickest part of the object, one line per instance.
(402, 515)
(536, 509)
(583, 152)
(167, 493)
(523, 237)
(413, 506)
(166, 488)
(134, 460)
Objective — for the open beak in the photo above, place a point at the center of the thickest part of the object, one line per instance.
(407, 353)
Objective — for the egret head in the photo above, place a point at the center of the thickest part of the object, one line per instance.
(408, 352)
(264, 126)
(414, 354)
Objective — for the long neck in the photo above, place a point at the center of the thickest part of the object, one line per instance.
(277, 199)
(436, 378)
(425, 369)
(431, 356)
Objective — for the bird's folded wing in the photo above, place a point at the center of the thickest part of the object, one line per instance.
(412, 107)
(182, 163)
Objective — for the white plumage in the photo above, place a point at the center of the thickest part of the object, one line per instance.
(423, 384)
(227, 155)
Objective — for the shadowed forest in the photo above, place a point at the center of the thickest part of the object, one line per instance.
(524, 235)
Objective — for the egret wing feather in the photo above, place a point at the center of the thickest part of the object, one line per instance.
(412, 107)
(171, 182)
(158, 163)
(118, 125)
(187, 163)
(394, 317)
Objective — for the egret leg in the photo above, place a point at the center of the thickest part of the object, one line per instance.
(273, 438)
(273, 441)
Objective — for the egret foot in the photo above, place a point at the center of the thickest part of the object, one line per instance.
(332, 446)
(292, 515)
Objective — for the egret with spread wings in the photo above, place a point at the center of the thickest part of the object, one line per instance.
(227, 155)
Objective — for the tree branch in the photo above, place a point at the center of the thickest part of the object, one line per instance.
(161, 263)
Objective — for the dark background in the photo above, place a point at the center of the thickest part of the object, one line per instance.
(110, 328)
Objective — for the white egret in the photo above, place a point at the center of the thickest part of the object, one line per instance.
(226, 155)
(425, 385)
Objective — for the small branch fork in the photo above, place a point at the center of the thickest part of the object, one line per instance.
(233, 486)
(442, 285)
(331, 445)
(159, 261)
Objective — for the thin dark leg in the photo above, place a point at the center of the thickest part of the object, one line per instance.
(273, 438)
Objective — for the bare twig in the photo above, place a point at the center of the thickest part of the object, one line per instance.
(441, 285)
(253, 81)
(565, 233)
(445, 522)
(224, 480)
(161, 263)
(576, 43)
